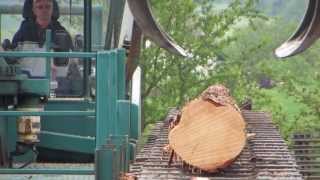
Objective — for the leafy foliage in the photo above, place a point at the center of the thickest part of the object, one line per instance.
(233, 46)
(171, 80)
(292, 99)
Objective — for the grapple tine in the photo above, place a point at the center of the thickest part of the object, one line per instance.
(307, 33)
(142, 13)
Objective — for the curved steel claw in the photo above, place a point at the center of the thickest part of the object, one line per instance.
(143, 16)
(306, 34)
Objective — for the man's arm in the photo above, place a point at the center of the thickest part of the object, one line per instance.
(26, 32)
(18, 37)
(62, 43)
(66, 43)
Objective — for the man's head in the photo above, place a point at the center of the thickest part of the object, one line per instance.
(43, 10)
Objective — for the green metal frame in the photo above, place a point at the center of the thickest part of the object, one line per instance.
(73, 128)
(111, 112)
(109, 121)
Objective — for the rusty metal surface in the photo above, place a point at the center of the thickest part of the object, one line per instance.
(265, 157)
(134, 52)
(143, 16)
(307, 33)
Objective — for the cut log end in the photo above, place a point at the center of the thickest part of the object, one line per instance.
(209, 136)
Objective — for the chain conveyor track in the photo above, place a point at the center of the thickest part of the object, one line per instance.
(266, 156)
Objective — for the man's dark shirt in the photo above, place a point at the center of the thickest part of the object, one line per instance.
(30, 31)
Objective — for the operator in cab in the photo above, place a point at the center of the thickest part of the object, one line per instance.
(41, 15)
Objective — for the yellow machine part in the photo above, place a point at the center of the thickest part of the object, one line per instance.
(28, 127)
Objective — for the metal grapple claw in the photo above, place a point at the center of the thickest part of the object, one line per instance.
(143, 16)
(306, 34)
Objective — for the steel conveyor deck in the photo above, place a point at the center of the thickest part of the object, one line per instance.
(266, 156)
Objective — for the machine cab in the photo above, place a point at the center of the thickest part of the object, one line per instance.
(69, 32)
(58, 83)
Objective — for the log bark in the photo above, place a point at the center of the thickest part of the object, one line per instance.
(210, 134)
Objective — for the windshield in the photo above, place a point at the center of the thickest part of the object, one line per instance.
(67, 35)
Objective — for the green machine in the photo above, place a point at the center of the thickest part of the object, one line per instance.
(90, 112)
(87, 111)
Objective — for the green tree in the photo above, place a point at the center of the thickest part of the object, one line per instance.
(233, 46)
(293, 99)
(170, 80)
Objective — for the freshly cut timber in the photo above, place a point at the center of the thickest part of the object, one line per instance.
(143, 16)
(211, 131)
(306, 34)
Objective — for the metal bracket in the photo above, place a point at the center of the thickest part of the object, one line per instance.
(307, 33)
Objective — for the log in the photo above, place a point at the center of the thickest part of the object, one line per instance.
(211, 131)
